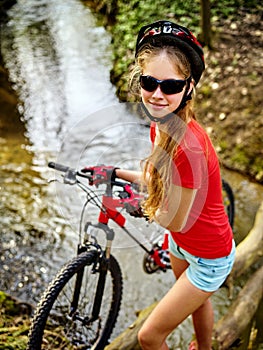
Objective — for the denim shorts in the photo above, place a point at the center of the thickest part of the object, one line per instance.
(205, 274)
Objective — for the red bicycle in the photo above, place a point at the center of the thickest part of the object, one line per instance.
(80, 306)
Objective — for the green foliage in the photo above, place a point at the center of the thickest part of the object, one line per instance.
(257, 169)
(228, 8)
(223, 145)
(14, 324)
(8, 304)
(206, 90)
(241, 158)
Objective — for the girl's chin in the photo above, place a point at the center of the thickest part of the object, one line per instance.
(157, 113)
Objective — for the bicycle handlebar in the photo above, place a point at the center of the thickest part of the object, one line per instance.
(58, 167)
(71, 174)
(129, 198)
(66, 169)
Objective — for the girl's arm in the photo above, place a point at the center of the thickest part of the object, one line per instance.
(129, 175)
(173, 215)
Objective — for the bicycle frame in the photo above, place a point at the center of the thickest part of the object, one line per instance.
(109, 212)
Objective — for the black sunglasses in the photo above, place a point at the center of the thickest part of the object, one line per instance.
(167, 86)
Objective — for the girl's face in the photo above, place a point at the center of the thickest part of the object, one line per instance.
(157, 103)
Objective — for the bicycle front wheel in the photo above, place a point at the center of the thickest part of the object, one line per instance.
(53, 326)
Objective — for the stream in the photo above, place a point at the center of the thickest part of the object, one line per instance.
(59, 58)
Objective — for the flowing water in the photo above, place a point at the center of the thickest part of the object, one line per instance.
(59, 58)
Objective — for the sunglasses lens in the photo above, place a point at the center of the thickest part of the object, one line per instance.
(168, 86)
(148, 83)
(172, 86)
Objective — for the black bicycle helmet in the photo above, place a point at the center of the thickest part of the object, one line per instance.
(165, 32)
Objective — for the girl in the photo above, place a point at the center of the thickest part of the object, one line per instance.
(183, 182)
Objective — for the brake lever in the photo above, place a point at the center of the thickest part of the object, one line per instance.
(70, 177)
(53, 180)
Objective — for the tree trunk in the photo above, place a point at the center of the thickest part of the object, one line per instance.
(128, 339)
(230, 327)
(251, 248)
(206, 23)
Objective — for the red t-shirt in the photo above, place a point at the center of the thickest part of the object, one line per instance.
(207, 232)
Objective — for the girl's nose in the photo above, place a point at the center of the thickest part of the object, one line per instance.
(158, 92)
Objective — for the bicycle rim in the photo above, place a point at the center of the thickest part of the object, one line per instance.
(54, 328)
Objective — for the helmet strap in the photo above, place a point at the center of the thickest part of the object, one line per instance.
(186, 97)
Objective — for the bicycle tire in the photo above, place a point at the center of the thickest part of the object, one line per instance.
(229, 201)
(51, 326)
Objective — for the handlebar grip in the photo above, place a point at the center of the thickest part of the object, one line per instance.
(58, 167)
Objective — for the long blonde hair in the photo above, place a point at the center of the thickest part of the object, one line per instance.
(157, 168)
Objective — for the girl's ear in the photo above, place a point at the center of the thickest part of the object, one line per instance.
(191, 87)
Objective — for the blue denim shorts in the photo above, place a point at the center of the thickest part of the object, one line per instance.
(206, 274)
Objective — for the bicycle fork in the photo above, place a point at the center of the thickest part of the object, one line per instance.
(101, 266)
(103, 269)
